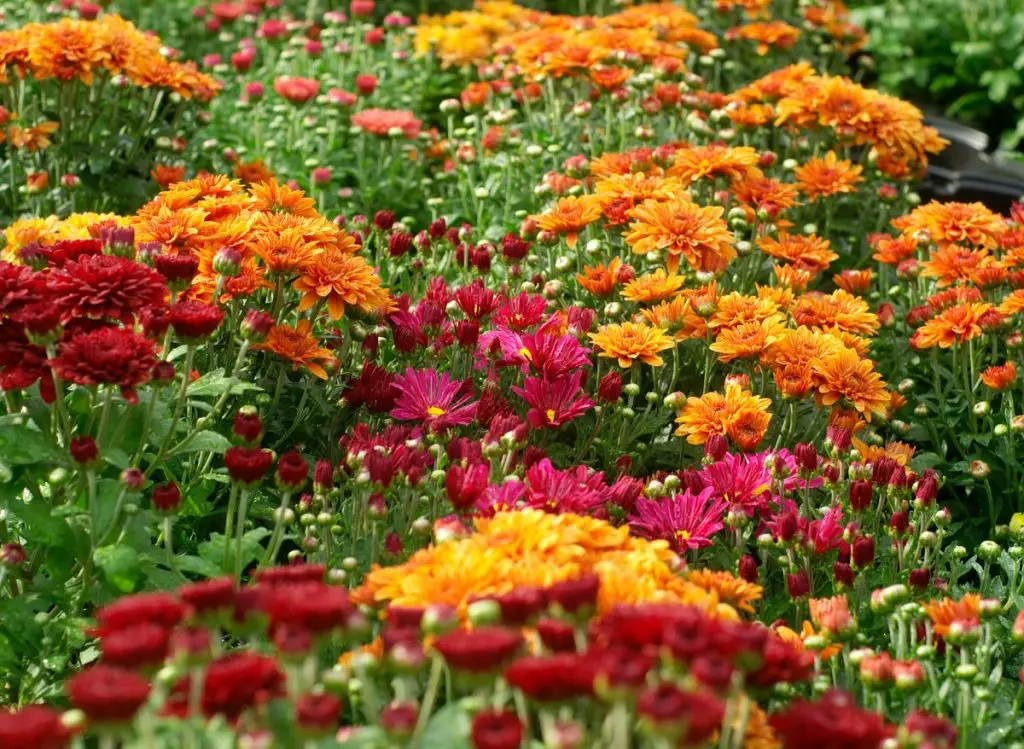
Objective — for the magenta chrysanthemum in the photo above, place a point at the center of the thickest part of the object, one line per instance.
(435, 400)
(554, 355)
(554, 402)
(687, 521)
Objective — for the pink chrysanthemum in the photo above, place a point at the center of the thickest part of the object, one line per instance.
(435, 400)
(687, 521)
(739, 479)
(554, 355)
(554, 402)
(577, 491)
(521, 312)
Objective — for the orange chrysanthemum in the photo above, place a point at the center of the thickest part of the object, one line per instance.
(275, 197)
(947, 611)
(894, 250)
(653, 287)
(677, 318)
(791, 277)
(299, 346)
(732, 590)
(1001, 376)
(735, 309)
(739, 414)
(954, 325)
(569, 217)
(762, 193)
(715, 160)
(846, 378)
(901, 452)
(952, 263)
(854, 281)
(768, 34)
(284, 252)
(832, 615)
(806, 252)
(1012, 304)
(630, 341)
(601, 279)
(341, 281)
(954, 223)
(840, 309)
(824, 177)
(684, 230)
(748, 340)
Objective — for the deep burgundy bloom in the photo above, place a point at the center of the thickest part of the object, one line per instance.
(166, 497)
(553, 678)
(609, 389)
(863, 551)
(399, 719)
(292, 471)
(156, 608)
(480, 650)
(520, 605)
(934, 731)
(578, 595)
(554, 402)
(99, 287)
(833, 722)
(312, 606)
(209, 596)
(23, 363)
(798, 584)
(107, 694)
(514, 247)
(476, 300)
(239, 681)
(177, 269)
(84, 450)
(748, 568)
(323, 476)
(248, 465)
(465, 486)
(521, 312)
(19, 288)
(920, 578)
(247, 427)
(927, 489)
(806, 457)
(318, 713)
(141, 646)
(193, 321)
(557, 636)
(843, 573)
(435, 400)
(860, 494)
(670, 708)
(716, 447)
(492, 729)
(38, 727)
(61, 253)
(373, 388)
(399, 243)
(108, 356)
(899, 523)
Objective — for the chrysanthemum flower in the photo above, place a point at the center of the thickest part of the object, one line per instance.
(969, 224)
(653, 287)
(840, 309)
(748, 340)
(107, 356)
(677, 318)
(735, 308)
(296, 90)
(714, 160)
(601, 280)
(554, 402)
(954, 325)
(827, 176)
(553, 355)
(845, 377)
(628, 342)
(808, 252)
(768, 34)
(950, 264)
(274, 197)
(98, 287)
(342, 281)
(1001, 376)
(569, 217)
(382, 122)
(894, 250)
(684, 230)
(732, 590)
(739, 414)
(947, 611)
(299, 346)
(283, 251)
(435, 400)
(687, 521)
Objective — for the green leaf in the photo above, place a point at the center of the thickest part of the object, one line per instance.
(448, 729)
(120, 566)
(366, 738)
(252, 550)
(20, 445)
(199, 566)
(203, 441)
(215, 384)
(41, 524)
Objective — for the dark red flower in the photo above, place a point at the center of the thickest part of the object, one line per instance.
(292, 471)
(19, 288)
(61, 253)
(572, 596)
(177, 269)
(899, 523)
(248, 465)
(798, 584)
(166, 497)
(141, 646)
(806, 457)
(553, 678)
(520, 605)
(247, 428)
(748, 568)
(863, 552)
(238, 682)
(323, 476)
(399, 243)
(108, 356)
(623, 670)
(34, 727)
(833, 722)
(312, 606)
(557, 636)
(843, 573)
(514, 247)
(920, 578)
(609, 390)
(860, 494)
(383, 220)
(373, 388)
(366, 84)
(927, 489)
(493, 729)
(465, 486)
(256, 325)
(318, 713)
(693, 716)
(155, 608)
(107, 694)
(933, 731)
(476, 300)
(84, 450)
(479, 650)
(716, 447)
(399, 719)
(193, 321)
(209, 595)
(99, 287)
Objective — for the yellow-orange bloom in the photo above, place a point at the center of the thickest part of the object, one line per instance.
(1001, 376)
(714, 160)
(275, 197)
(955, 325)
(768, 34)
(739, 414)
(285, 251)
(845, 377)
(732, 590)
(1012, 304)
(630, 341)
(684, 230)
(569, 217)
(954, 223)
(299, 346)
(840, 309)
(827, 176)
(808, 252)
(601, 279)
(677, 318)
(735, 308)
(943, 613)
(341, 281)
(748, 340)
(653, 287)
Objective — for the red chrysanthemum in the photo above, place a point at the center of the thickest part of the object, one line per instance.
(314, 607)
(239, 681)
(833, 722)
(141, 646)
(99, 287)
(194, 322)
(108, 356)
(33, 727)
(108, 694)
(479, 650)
(155, 608)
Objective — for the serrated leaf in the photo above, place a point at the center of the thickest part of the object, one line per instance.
(448, 729)
(199, 566)
(215, 384)
(202, 442)
(20, 445)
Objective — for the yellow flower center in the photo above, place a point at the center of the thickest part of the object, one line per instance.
(550, 414)
(435, 411)
(525, 353)
(682, 535)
